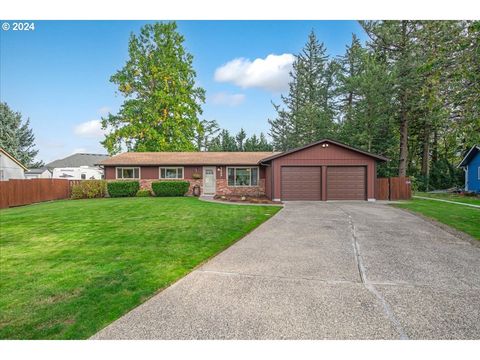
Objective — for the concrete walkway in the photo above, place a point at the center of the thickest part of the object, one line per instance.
(447, 201)
(323, 271)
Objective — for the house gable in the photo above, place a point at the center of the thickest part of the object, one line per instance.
(326, 149)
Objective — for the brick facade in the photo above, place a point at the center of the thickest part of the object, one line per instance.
(147, 183)
(224, 189)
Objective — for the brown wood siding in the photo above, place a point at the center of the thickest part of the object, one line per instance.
(301, 183)
(332, 155)
(346, 183)
(149, 172)
(268, 181)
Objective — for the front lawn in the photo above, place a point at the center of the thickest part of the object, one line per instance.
(69, 268)
(460, 217)
(475, 200)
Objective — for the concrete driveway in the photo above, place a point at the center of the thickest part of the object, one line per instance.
(323, 271)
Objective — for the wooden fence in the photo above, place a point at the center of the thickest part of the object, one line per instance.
(29, 191)
(394, 188)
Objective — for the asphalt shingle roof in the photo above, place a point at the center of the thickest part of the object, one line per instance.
(187, 158)
(77, 160)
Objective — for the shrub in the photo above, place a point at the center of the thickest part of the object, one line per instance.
(89, 189)
(143, 193)
(170, 188)
(123, 188)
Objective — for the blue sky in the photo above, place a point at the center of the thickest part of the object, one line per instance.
(58, 74)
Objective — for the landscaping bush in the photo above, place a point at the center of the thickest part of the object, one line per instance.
(89, 189)
(123, 188)
(143, 193)
(170, 188)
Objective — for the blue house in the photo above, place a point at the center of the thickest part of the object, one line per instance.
(471, 166)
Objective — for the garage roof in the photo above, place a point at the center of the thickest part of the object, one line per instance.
(378, 157)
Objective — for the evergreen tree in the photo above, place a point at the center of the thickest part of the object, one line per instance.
(309, 106)
(206, 133)
(223, 142)
(17, 138)
(263, 144)
(365, 85)
(162, 102)
(240, 138)
(255, 143)
(396, 41)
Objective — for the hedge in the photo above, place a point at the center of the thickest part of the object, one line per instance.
(123, 188)
(89, 189)
(170, 188)
(143, 193)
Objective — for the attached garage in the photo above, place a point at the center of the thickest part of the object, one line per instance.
(325, 170)
(301, 182)
(346, 183)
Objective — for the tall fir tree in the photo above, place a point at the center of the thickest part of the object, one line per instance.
(308, 112)
(17, 138)
(395, 40)
(240, 139)
(223, 142)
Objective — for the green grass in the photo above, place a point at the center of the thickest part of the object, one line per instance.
(460, 217)
(475, 200)
(69, 268)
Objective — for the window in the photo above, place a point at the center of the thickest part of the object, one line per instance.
(478, 173)
(83, 176)
(242, 176)
(171, 173)
(128, 173)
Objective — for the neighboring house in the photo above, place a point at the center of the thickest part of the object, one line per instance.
(324, 170)
(77, 167)
(10, 168)
(471, 166)
(40, 173)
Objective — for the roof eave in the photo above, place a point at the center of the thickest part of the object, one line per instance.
(465, 161)
(378, 157)
(13, 159)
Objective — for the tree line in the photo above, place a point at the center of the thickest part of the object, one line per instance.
(411, 93)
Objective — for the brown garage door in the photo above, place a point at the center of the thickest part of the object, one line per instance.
(301, 183)
(346, 183)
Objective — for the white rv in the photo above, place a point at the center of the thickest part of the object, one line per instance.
(78, 167)
(78, 173)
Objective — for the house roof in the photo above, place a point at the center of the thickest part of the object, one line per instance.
(470, 155)
(2, 150)
(186, 158)
(37, 170)
(77, 160)
(378, 157)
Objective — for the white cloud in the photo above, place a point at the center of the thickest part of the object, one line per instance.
(90, 129)
(271, 73)
(224, 98)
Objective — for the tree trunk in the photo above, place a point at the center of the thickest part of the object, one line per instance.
(402, 166)
(425, 170)
(435, 146)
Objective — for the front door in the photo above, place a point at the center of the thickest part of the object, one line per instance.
(209, 180)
